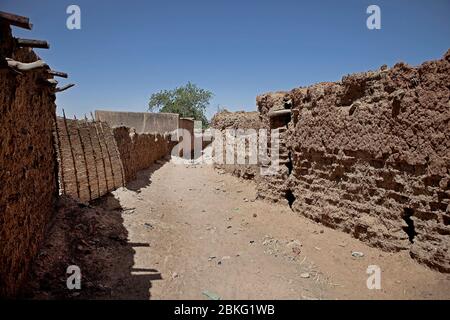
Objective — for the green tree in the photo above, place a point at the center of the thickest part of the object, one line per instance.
(189, 101)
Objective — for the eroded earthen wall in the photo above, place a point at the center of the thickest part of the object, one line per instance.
(140, 151)
(233, 121)
(28, 186)
(370, 155)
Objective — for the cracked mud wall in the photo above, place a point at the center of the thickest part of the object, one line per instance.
(236, 120)
(28, 172)
(140, 151)
(370, 155)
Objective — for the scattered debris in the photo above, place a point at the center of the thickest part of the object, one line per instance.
(211, 295)
(357, 254)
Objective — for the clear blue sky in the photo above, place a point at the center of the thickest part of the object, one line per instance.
(126, 50)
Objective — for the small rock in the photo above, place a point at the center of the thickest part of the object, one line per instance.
(211, 258)
(252, 241)
(305, 275)
(245, 200)
(219, 262)
(229, 227)
(357, 254)
(174, 275)
(148, 225)
(255, 215)
(211, 295)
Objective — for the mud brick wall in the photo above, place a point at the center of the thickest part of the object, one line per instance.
(140, 151)
(188, 125)
(28, 186)
(237, 120)
(370, 155)
(90, 164)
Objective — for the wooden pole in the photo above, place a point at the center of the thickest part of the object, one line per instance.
(58, 73)
(109, 155)
(84, 157)
(31, 43)
(94, 155)
(61, 162)
(16, 20)
(22, 66)
(101, 152)
(63, 88)
(73, 157)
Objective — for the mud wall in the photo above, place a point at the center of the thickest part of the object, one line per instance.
(370, 155)
(235, 120)
(140, 151)
(28, 186)
(142, 122)
(188, 125)
(90, 164)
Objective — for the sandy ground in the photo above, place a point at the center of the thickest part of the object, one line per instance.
(197, 233)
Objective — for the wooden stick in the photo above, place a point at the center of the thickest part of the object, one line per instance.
(58, 73)
(279, 113)
(30, 43)
(59, 152)
(26, 66)
(67, 86)
(109, 155)
(15, 20)
(73, 156)
(83, 150)
(94, 154)
(101, 153)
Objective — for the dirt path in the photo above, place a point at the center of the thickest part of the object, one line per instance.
(195, 231)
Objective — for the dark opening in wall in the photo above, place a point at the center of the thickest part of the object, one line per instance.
(290, 197)
(409, 229)
(289, 164)
(279, 118)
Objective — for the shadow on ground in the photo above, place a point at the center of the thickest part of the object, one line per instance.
(93, 238)
(143, 177)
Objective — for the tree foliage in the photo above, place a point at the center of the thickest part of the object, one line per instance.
(189, 101)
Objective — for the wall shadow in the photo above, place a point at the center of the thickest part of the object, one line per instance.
(93, 238)
(143, 177)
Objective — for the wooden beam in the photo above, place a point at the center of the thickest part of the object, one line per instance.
(15, 20)
(58, 73)
(30, 43)
(279, 113)
(67, 86)
(25, 66)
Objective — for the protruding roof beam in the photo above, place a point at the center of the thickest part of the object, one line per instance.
(30, 43)
(63, 88)
(58, 73)
(25, 66)
(16, 20)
